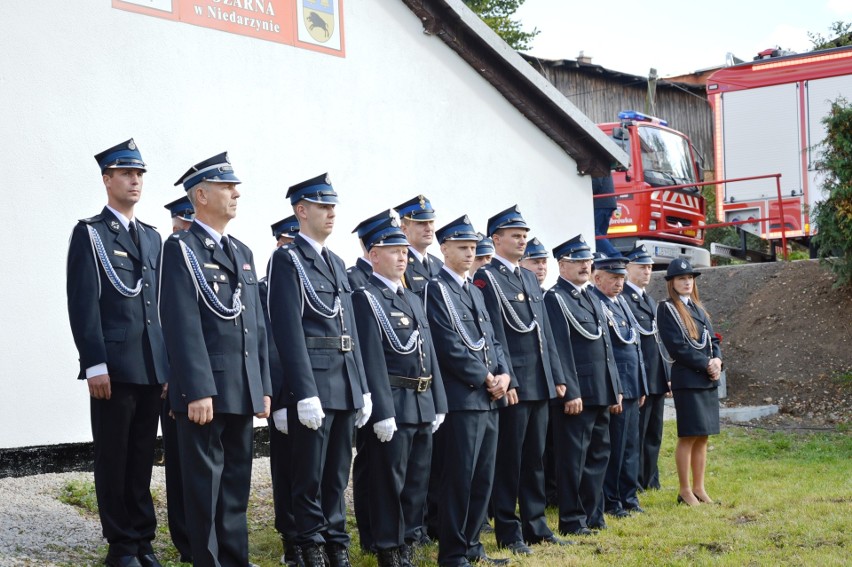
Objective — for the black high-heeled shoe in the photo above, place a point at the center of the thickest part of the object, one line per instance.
(680, 500)
(702, 500)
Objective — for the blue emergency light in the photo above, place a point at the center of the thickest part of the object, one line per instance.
(633, 115)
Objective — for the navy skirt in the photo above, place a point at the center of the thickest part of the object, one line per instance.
(697, 412)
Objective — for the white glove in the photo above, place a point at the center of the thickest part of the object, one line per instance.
(384, 429)
(439, 419)
(362, 416)
(279, 418)
(310, 412)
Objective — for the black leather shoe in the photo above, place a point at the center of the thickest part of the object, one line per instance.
(122, 561)
(485, 560)
(581, 531)
(620, 513)
(518, 548)
(389, 557)
(553, 540)
(149, 560)
(635, 510)
(486, 528)
(597, 527)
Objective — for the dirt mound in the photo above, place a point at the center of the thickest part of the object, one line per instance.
(787, 337)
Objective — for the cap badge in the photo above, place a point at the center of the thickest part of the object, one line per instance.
(131, 145)
(394, 222)
(466, 220)
(422, 202)
(583, 240)
(683, 265)
(327, 179)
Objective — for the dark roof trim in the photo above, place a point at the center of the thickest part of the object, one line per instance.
(521, 85)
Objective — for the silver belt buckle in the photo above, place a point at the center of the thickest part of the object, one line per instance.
(423, 383)
(345, 343)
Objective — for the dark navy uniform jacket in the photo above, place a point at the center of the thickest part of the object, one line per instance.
(536, 366)
(594, 361)
(417, 275)
(359, 273)
(690, 365)
(209, 355)
(464, 370)
(107, 326)
(333, 375)
(627, 356)
(644, 309)
(405, 315)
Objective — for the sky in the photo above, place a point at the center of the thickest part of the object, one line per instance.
(674, 36)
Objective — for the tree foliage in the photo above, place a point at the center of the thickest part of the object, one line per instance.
(839, 34)
(833, 216)
(498, 15)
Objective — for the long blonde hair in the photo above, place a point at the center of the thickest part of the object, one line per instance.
(674, 297)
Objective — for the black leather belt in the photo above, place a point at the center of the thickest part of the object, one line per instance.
(342, 343)
(420, 384)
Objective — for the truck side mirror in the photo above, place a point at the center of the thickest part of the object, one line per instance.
(618, 133)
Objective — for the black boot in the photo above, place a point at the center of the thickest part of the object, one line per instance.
(406, 555)
(292, 554)
(389, 557)
(313, 556)
(338, 555)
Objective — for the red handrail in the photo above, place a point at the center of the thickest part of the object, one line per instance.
(680, 188)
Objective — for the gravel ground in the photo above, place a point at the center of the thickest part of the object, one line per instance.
(37, 529)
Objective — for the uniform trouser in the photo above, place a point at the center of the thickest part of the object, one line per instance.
(124, 429)
(216, 461)
(622, 473)
(361, 488)
(399, 477)
(320, 473)
(650, 439)
(582, 453)
(433, 497)
(519, 474)
(549, 460)
(280, 463)
(469, 438)
(174, 484)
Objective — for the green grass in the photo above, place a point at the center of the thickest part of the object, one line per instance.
(80, 494)
(785, 499)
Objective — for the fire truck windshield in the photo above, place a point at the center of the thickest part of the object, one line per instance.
(666, 158)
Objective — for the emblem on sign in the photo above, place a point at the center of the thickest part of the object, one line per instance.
(319, 19)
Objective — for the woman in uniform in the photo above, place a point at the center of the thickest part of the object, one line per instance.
(685, 329)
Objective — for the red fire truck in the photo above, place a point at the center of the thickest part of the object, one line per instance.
(767, 117)
(662, 159)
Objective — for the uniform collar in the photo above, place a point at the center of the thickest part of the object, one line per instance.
(125, 222)
(314, 244)
(506, 262)
(636, 288)
(217, 238)
(459, 280)
(393, 286)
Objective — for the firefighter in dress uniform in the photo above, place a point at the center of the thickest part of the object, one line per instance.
(476, 379)
(409, 403)
(322, 394)
(516, 306)
(216, 339)
(581, 429)
(112, 283)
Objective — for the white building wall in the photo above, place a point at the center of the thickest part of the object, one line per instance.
(401, 114)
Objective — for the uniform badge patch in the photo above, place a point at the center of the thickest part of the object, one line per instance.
(121, 253)
(113, 225)
(404, 321)
(212, 266)
(208, 242)
(247, 267)
(479, 283)
(634, 296)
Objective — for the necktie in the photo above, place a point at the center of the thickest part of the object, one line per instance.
(518, 273)
(226, 246)
(134, 234)
(466, 287)
(327, 258)
(400, 291)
